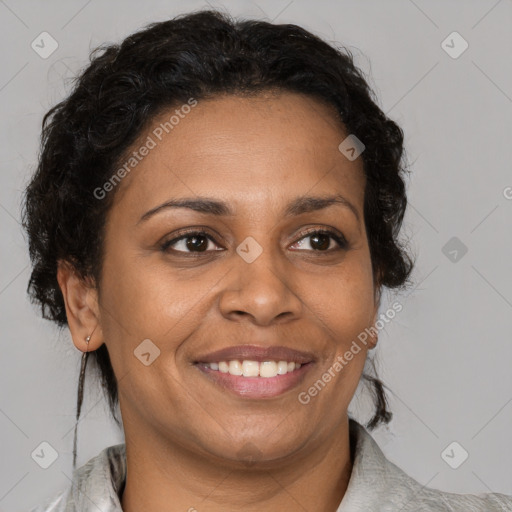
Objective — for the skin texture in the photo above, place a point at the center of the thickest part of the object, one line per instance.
(185, 435)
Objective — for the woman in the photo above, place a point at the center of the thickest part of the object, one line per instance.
(214, 216)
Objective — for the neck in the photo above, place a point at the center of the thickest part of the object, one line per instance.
(162, 477)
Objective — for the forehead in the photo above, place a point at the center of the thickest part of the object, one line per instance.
(263, 148)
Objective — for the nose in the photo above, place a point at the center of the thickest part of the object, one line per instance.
(261, 292)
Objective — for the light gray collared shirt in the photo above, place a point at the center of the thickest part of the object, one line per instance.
(375, 485)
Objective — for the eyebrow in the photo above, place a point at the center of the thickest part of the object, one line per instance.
(298, 206)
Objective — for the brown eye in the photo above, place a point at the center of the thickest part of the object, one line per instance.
(194, 241)
(320, 241)
(203, 242)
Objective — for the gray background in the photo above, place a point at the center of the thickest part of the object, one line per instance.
(446, 356)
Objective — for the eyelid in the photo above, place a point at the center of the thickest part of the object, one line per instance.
(324, 231)
(189, 232)
(335, 234)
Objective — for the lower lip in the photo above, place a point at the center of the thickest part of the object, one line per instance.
(256, 387)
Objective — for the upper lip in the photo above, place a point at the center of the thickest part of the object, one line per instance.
(256, 353)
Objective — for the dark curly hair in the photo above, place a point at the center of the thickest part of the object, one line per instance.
(200, 55)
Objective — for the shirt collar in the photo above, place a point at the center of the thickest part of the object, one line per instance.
(99, 483)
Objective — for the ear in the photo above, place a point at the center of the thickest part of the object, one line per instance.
(373, 337)
(82, 311)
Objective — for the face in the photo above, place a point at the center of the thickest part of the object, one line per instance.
(253, 266)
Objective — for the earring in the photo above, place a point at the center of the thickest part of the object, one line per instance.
(83, 365)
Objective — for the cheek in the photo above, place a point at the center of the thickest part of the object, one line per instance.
(345, 308)
(146, 300)
(343, 305)
(345, 299)
(142, 300)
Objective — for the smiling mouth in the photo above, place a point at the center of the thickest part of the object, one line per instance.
(254, 379)
(248, 368)
(255, 371)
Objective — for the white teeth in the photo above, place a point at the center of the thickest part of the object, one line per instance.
(249, 368)
(235, 368)
(268, 369)
(282, 368)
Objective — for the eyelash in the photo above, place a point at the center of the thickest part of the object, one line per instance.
(339, 239)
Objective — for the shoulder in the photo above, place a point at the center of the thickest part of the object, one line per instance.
(96, 483)
(59, 503)
(376, 484)
(434, 500)
(412, 496)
